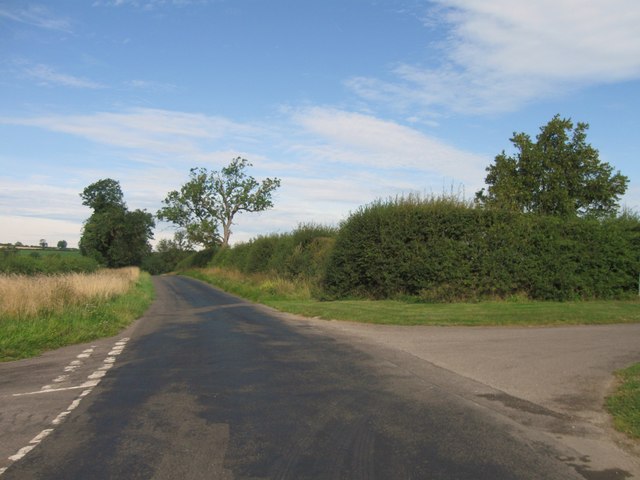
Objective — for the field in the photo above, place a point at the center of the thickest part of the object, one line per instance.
(39, 312)
(48, 251)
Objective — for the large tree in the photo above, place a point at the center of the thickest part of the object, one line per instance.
(558, 174)
(113, 235)
(210, 200)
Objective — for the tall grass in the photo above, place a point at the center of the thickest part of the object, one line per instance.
(258, 287)
(24, 296)
(43, 313)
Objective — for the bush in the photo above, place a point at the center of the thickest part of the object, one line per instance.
(13, 262)
(196, 259)
(444, 249)
(301, 254)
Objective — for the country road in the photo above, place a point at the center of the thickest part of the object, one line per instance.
(207, 386)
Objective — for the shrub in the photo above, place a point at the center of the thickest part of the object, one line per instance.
(301, 254)
(444, 249)
(196, 259)
(46, 264)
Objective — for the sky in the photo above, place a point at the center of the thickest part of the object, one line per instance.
(346, 101)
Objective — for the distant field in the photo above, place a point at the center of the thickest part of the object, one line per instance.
(49, 251)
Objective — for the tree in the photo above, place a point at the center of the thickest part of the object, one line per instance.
(113, 235)
(43, 243)
(558, 174)
(102, 195)
(210, 200)
(62, 244)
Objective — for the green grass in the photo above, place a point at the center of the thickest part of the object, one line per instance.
(49, 251)
(624, 404)
(470, 314)
(24, 338)
(293, 298)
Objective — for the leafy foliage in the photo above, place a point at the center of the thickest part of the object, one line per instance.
(558, 174)
(168, 254)
(103, 195)
(442, 249)
(209, 201)
(11, 262)
(301, 254)
(113, 235)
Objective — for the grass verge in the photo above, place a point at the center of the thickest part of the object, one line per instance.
(624, 404)
(24, 337)
(295, 297)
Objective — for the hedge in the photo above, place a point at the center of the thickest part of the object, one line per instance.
(443, 249)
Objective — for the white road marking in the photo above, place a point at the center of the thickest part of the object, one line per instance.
(38, 438)
(61, 416)
(21, 453)
(88, 386)
(97, 374)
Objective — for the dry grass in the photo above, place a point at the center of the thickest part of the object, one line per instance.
(256, 286)
(26, 296)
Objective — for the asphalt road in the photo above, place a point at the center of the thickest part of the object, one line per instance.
(212, 387)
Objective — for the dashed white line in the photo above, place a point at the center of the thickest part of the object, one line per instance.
(92, 380)
(38, 438)
(21, 453)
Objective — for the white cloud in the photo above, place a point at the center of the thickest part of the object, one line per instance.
(330, 161)
(34, 195)
(151, 86)
(48, 76)
(36, 15)
(363, 140)
(148, 4)
(155, 131)
(501, 54)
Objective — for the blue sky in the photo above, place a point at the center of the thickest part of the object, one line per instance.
(346, 101)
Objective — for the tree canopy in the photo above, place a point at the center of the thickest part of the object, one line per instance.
(103, 194)
(210, 201)
(113, 235)
(558, 174)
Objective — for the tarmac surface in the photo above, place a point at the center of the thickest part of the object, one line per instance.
(546, 384)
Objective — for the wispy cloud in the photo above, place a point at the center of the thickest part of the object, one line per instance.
(30, 197)
(36, 15)
(330, 161)
(150, 85)
(501, 54)
(148, 4)
(48, 76)
(152, 130)
(364, 140)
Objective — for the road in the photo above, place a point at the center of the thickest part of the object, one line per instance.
(207, 386)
